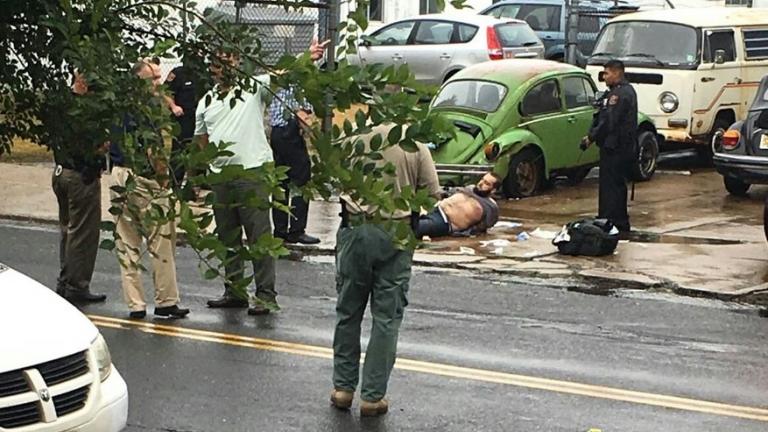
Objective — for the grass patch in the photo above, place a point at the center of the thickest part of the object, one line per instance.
(24, 151)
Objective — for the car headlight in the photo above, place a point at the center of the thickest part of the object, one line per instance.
(491, 151)
(103, 358)
(669, 102)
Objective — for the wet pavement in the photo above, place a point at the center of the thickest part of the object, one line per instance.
(477, 352)
(690, 236)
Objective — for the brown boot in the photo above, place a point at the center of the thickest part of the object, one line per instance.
(342, 399)
(374, 409)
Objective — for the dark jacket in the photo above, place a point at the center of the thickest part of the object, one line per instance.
(615, 124)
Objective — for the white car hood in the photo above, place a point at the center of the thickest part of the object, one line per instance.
(36, 325)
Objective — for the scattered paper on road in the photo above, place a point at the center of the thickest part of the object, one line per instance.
(496, 243)
(543, 234)
(507, 225)
(466, 251)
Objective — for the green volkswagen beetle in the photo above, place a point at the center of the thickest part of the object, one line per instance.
(524, 119)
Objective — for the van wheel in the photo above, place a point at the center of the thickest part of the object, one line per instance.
(647, 157)
(735, 186)
(526, 174)
(706, 152)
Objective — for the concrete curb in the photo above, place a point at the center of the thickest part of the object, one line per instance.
(597, 281)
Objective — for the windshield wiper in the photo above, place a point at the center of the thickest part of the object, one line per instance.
(648, 56)
(607, 54)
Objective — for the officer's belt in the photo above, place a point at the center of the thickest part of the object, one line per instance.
(351, 219)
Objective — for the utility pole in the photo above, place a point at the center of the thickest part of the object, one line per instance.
(572, 31)
(332, 22)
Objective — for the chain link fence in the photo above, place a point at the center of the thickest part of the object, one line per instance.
(282, 31)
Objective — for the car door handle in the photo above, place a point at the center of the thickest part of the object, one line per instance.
(397, 57)
(707, 79)
(445, 57)
(572, 119)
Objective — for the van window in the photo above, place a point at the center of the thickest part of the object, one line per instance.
(719, 40)
(434, 32)
(542, 99)
(756, 44)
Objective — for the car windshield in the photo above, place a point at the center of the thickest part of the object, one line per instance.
(516, 35)
(473, 94)
(648, 44)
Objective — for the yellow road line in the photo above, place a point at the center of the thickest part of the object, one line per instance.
(446, 370)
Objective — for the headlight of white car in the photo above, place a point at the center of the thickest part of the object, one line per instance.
(103, 358)
(669, 102)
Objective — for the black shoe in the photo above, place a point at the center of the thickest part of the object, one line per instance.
(303, 239)
(171, 311)
(227, 302)
(258, 309)
(84, 297)
(138, 314)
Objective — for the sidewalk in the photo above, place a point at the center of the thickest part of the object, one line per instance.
(695, 239)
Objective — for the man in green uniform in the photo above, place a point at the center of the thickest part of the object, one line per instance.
(370, 267)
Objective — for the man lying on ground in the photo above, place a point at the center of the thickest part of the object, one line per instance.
(470, 210)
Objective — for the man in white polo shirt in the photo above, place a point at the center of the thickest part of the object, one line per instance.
(242, 126)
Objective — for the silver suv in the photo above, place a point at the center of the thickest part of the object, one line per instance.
(437, 46)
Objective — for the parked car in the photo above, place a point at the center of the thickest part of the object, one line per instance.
(525, 118)
(699, 85)
(742, 151)
(549, 18)
(56, 373)
(437, 46)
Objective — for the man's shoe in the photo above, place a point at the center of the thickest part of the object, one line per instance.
(342, 399)
(138, 314)
(258, 309)
(374, 409)
(227, 302)
(171, 311)
(84, 297)
(303, 239)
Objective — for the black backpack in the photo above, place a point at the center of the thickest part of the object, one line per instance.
(592, 237)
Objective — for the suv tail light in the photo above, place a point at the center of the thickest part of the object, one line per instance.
(731, 139)
(495, 52)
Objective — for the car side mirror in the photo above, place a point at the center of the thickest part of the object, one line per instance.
(719, 56)
(364, 43)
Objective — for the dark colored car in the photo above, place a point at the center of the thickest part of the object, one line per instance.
(548, 18)
(741, 152)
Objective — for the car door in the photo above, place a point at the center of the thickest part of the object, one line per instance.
(578, 98)
(543, 114)
(431, 53)
(387, 45)
(720, 78)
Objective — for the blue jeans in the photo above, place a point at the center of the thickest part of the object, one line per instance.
(432, 224)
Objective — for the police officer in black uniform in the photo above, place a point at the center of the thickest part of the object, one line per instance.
(614, 129)
(182, 86)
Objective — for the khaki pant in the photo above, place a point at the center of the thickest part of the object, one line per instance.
(161, 242)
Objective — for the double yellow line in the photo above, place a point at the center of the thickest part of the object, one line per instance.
(440, 369)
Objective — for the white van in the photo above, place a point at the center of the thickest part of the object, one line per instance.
(56, 373)
(695, 70)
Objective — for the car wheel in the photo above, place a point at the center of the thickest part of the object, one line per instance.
(526, 174)
(578, 175)
(735, 186)
(647, 157)
(765, 218)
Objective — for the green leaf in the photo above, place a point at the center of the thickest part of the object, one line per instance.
(107, 244)
(395, 135)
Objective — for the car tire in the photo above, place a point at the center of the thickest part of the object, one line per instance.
(577, 175)
(735, 186)
(526, 174)
(765, 222)
(647, 157)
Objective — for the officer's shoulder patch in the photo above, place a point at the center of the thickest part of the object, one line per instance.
(614, 99)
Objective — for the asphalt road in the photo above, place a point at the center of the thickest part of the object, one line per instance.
(478, 354)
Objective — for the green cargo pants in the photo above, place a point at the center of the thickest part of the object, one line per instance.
(368, 266)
